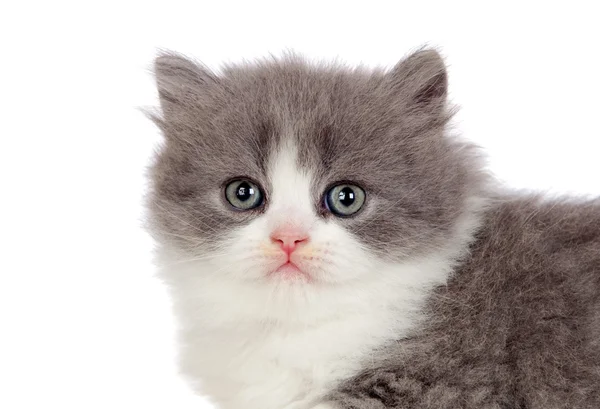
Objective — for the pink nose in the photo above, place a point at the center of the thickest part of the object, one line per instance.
(289, 239)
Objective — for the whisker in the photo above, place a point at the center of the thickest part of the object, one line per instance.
(185, 222)
(183, 236)
(193, 259)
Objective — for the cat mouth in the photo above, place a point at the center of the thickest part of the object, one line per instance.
(290, 271)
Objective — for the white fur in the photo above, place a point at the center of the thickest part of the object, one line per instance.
(256, 342)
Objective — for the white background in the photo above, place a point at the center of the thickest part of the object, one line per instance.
(83, 322)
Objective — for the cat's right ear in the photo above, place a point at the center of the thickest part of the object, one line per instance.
(182, 83)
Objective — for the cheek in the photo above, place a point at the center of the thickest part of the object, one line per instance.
(337, 254)
(247, 252)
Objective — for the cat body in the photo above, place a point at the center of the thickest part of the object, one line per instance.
(328, 244)
(517, 325)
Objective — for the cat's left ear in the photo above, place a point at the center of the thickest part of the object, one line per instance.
(422, 81)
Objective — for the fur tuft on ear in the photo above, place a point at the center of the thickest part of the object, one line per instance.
(422, 78)
(180, 81)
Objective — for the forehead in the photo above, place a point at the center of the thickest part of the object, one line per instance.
(336, 120)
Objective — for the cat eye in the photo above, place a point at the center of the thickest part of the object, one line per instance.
(344, 200)
(243, 194)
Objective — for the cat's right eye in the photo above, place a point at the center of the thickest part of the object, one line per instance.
(243, 194)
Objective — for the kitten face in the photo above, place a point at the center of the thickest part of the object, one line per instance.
(294, 131)
(323, 251)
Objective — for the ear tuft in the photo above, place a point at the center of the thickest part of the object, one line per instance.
(422, 77)
(179, 78)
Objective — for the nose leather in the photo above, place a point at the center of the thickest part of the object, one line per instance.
(289, 239)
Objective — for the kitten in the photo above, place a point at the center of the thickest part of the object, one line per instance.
(329, 244)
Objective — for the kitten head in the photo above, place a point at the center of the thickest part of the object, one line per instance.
(282, 173)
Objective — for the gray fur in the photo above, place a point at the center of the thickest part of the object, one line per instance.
(517, 326)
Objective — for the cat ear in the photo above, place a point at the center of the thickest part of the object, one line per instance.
(422, 79)
(181, 82)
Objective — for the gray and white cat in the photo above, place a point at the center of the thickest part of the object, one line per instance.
(328, 244)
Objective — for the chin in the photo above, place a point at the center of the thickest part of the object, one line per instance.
(290, 272)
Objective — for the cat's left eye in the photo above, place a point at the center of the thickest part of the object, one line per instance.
(345, 200)
(243, 194)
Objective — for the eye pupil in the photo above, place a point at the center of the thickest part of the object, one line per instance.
(244, 192)
(346, 196)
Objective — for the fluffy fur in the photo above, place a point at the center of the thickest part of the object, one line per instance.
(516, 327)
(437, 294)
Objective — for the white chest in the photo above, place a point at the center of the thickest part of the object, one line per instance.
(276, 368)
